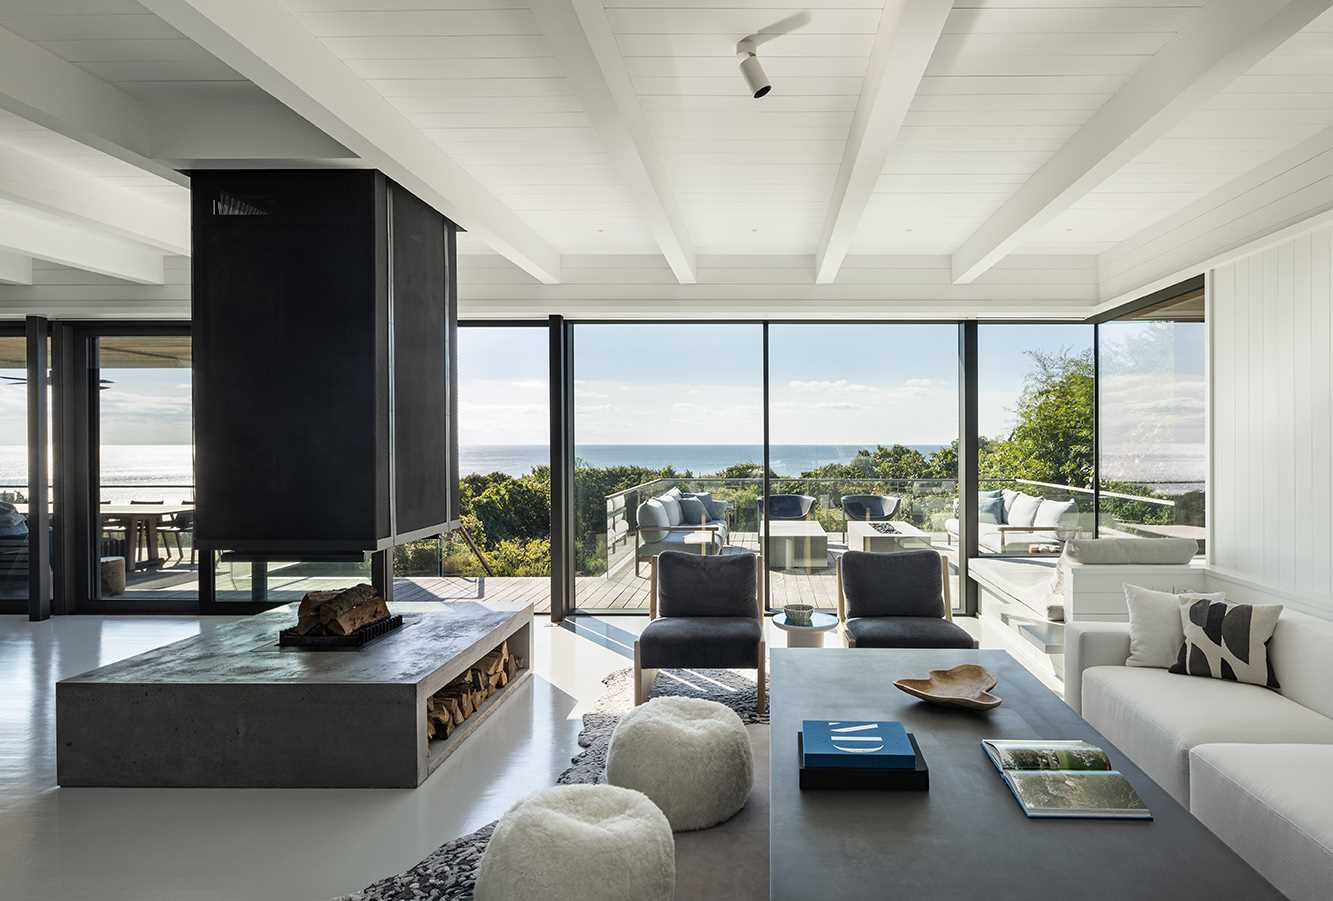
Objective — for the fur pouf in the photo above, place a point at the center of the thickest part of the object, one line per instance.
(690, 756)
(580, 843)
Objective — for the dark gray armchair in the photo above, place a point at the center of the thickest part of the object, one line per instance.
(787, 506)
(897, 600)
(869, 507)
(704, 613)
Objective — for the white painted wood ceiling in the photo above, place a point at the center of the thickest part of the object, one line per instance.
(1010, 82)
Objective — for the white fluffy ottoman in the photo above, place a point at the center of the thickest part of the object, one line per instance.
(691, 756)
(580, 843)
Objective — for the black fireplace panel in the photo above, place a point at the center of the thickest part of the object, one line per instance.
(292, 299)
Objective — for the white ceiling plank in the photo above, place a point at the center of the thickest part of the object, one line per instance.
(15, 268)
(268, 45)
(43, 88)
(581, 36)
(1231, 37)
(58, 242)
(60, 190)
(908, 32)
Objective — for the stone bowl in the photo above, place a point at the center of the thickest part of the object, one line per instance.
(967, 685)
(799, 614)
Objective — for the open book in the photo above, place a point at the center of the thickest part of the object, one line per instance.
(1064, 779)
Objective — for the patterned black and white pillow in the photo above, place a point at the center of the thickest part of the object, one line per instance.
(1228, 641)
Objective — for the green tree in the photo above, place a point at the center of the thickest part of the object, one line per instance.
(1053, 440)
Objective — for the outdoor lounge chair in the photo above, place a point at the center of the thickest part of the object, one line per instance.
(704, 613)
(870, 507)
(787, 506)
(897, 600)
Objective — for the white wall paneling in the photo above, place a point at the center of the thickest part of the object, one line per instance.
(1271, 409)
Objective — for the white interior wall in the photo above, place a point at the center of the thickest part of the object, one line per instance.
(1271, 399)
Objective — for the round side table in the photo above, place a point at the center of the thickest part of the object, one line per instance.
(811, 636)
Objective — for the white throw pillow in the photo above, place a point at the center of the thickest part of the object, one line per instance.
(1155, 630)
(1024, 510)
(1051, 514)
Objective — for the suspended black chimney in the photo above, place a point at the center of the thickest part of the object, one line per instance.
(324, 327)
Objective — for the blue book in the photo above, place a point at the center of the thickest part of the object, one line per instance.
(856, 743)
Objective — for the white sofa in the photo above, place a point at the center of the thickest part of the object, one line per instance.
(1019, 522)
(1252, 764)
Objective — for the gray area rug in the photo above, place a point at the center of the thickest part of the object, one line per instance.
(450, 872)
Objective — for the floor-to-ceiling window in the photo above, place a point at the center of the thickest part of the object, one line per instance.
(503, 550)
(13, 468)
(668, 430)
(1035, 453)
(864, 448)
(1152, 403)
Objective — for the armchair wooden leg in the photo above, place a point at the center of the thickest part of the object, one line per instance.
(761, 681)
(644, 679)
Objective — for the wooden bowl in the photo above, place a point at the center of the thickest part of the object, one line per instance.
(966, 686)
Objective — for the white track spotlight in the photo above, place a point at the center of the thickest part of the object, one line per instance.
(751, 69)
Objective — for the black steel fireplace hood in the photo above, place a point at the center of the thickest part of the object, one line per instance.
(324, 325)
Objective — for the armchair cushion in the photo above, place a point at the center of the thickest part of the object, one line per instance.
(689, 585)
(907, 632)
(703, 642)
(906, 583)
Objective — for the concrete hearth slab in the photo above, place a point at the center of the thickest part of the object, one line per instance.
(232, 709)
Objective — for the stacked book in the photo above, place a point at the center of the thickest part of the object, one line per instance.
(860, 754)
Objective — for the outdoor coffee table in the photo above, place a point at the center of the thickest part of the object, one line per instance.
(966, 837)
(797, 544)
(811, 636)
(863, 536)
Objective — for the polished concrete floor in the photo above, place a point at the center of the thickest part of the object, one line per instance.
(255, 845)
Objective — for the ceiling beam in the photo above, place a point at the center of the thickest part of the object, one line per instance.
(579, 34)
(1232, 37)
(908, 33)
(49, 239)
(15, 268)
(267, 44)
(60, 190)
(43, 88)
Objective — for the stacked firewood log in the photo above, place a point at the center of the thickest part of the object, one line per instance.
(450, 706)
(340, 612)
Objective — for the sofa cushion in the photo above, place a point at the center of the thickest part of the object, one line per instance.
(712, 642)
(1272, 805)
(716, 509)
(652, 513)
(689, 585)
(671, 502)
(1156, 717)
(906, 583)
(1155, 630)
(1053, 513)
(1133, 550)
(990, 509)
(907, 632)
(1228, 641)
(1009, 496)
(692, 511)
(1024, 510)
(1302, 655)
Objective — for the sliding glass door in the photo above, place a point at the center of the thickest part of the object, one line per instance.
(13, 468)
(864, 449)
(668, 431)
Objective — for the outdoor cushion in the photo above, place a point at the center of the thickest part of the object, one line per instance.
(1024, 510)
(1009, 496)
(1271, 804)
(1051, 513)
(689, 585)
(788, 506)
(907, 583)
(692, 511)
(702, 642)
(716, 509)
(908, 632)
(671, 503)
(990, 509)
(1156, 717)
(652, 513)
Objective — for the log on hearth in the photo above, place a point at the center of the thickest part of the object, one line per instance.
(340, 612)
